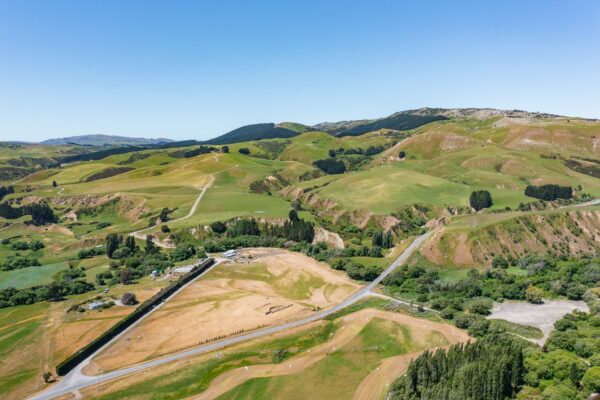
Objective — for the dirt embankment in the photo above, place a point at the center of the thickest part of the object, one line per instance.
(131, 207)
(572, 233)
(330, 208)
(331, 238)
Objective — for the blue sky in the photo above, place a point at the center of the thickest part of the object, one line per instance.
(194, 70)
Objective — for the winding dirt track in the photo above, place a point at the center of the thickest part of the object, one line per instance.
(203, 189)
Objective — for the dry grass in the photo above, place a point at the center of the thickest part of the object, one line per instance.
(272, 287)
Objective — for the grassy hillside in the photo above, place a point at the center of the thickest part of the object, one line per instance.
(446, 160)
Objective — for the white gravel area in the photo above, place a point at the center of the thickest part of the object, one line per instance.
(542, 316)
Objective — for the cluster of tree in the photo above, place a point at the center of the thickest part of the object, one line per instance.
(18, 261)
(90, 252)
(6, 190)
(185, 251)
(294, 228)
(412, 219)
(589, 167)
(321, 252)
(356, 270)
(480, 199)
(107, 173)
(383, 239)
(549, 192)
(135, 157)
(330, 166)
(54, 291)
(569, 365)
(243, 227)
(106, 278)
(32, 245)
(220, 244)
(490, 368)
(399, 121)
(134, 267)
(369, 151)
(117, 247)
(41, 213)
(98, 155)
(194, 152)
(544, 277)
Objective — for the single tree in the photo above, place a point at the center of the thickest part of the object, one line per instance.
(129, 299)
(225, 149)
(244, 150)
(150, 247)
(54, 184)
(164, 215)
(130, 243)
(125, 276)
(47, 377)
(218, 227)
(296, 204)
(480, 199)
(112, 244)
(293, 215)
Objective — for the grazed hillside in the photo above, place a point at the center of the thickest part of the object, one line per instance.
(362, 188)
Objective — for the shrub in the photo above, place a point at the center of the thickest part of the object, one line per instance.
(499, 262)
(218, 227)
(481, 307)
(463, 321)
(183, 252)
(448, 313)
(534, 295)
(479, 327)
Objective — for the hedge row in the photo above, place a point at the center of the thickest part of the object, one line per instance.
(73, 360)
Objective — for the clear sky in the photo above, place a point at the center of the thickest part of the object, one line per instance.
(197, 69)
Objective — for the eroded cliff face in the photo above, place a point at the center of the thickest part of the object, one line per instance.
(570, 233)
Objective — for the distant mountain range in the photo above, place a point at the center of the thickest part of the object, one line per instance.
(400, 121)
(101, 140)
